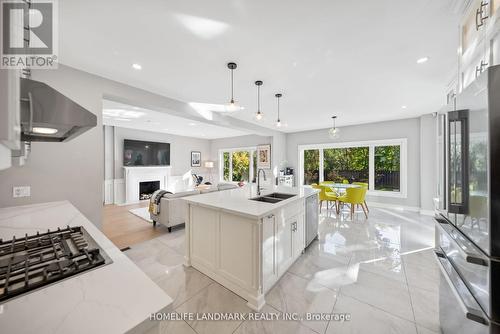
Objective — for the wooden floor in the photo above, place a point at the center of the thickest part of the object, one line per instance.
(126, 229)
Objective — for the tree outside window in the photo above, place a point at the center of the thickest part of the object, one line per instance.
(311, 166)
(349, 163)
(241, 166)
(387, 168)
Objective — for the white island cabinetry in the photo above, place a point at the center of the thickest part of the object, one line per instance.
(246, 247)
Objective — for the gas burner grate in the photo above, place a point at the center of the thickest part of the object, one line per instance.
(31, 262)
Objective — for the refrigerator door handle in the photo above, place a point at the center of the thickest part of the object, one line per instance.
(469, 312)
(466, 250)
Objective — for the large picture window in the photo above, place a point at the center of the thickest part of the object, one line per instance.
(347, 163)
(380, 164)
(238, 164)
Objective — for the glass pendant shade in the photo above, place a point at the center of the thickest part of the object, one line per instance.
(231, 106)
(334, 132)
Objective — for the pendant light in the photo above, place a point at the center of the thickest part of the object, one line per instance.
(278, 121)
(232, 106)
(334, 132)
(259, 114)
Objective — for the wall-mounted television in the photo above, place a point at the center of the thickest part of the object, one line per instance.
(145, 153)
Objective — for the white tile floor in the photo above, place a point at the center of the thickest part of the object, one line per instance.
(379, 270)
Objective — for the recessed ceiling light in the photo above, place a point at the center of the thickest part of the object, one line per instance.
(192, 124)
(404, 107)
(422, 60)
(136, 66)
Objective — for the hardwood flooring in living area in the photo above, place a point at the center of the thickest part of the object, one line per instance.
(125, 229)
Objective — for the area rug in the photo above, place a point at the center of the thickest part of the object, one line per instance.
(141, 213)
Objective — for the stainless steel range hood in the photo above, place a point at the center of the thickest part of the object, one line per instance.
(47, 115)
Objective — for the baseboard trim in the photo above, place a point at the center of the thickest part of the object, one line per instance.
(401, 207)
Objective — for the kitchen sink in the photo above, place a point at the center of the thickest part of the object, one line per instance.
(272, 198)
(266, 199)
(280, 195)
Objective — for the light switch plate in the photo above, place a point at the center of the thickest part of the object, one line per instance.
(22, 191)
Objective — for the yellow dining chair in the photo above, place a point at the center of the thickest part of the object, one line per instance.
(365, 185)
(325, 195)
(354, 197)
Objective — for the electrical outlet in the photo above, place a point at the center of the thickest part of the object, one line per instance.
(23, 191)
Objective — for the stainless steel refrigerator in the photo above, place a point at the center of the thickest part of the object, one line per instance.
(468, 209)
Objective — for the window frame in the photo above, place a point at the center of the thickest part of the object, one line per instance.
(249, 149)
(371, 144)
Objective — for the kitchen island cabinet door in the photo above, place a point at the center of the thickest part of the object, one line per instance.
(298, 236)
(285, 254)
(269, 248)
(204, 237)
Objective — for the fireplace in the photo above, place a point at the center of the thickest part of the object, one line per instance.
(146, 189)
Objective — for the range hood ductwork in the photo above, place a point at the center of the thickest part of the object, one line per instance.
(43, 107)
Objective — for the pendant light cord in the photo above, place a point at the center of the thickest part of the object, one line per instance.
(232, 85)
(278, 108)
(258, 98)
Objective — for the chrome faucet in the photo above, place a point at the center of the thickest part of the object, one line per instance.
(258, 180)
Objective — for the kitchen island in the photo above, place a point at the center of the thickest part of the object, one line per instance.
(114, 298)
(246, 241)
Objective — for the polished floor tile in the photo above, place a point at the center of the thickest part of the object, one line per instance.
(155, 259)
(214, 299)
(294, 294)
(278, 326)
(381, 270)
(422, 270)
(182, 283)
(381, 292)
(426, 308)
(365, 318)
(171, 327)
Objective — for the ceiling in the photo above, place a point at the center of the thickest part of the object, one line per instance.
(127, 116)
(354, 59)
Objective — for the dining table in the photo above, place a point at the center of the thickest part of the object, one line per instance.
(340, 187)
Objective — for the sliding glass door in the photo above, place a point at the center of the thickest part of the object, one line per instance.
(238, 164)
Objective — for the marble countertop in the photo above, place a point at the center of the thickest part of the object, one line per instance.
(238, 200)
(115, 298)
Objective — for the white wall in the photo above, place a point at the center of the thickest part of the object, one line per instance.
(180, 150)
(65, 171)
(407, 128)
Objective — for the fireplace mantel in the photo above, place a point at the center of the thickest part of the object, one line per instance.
(134, 175)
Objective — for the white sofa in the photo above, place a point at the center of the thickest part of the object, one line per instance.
(174, 211)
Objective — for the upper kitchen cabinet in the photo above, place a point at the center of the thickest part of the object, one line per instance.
(10, 126)
(479, 39)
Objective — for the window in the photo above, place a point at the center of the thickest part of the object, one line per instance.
(227, 166)
(238, 164)
(241, 166)
(380, 164)
(387, 168)
(311, 166)
(348, 163)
